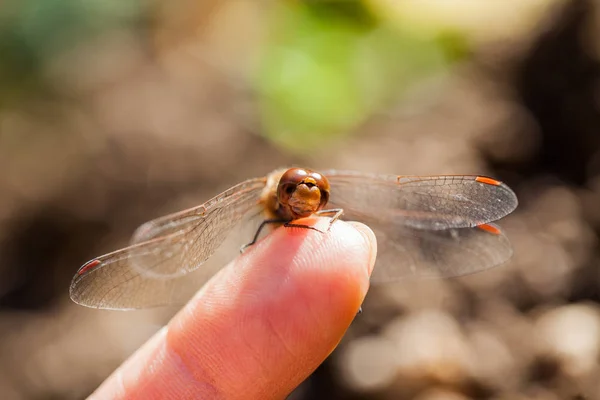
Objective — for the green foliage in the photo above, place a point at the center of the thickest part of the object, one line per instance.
(329, 66)
(34, 31)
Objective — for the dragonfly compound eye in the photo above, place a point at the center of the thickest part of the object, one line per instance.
(302, 192)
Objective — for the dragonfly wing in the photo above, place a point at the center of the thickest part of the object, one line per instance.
(417, 253)
(110, 282)
(186, 239)
(421, 202)
(165, 251)
(427, 226)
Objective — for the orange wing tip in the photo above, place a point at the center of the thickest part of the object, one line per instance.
(88, 266)
(488, 181)
(493, 229)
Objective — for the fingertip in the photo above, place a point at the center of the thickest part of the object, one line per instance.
(339, 255)
(370, 241)
(267, 320)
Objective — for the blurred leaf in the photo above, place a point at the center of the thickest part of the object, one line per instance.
(329, 66)
(34, 31)
(476, 21)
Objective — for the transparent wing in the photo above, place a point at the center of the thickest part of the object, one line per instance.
(427, 226)
(184, 240)
(417, 253)
(153, 270)
(422, 202)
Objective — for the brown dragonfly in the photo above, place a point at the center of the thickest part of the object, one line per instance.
(426, 226)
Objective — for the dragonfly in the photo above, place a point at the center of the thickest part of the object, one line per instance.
(437, 226)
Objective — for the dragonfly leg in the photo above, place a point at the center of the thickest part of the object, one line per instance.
(260, 228)
(334, 213)
(292, 225)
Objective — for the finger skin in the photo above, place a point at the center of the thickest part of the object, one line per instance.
(259, 327)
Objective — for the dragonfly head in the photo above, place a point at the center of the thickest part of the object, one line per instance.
(302, 192)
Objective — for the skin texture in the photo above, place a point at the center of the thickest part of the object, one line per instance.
(260, 326)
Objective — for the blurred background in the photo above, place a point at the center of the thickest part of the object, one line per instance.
(116, 112)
